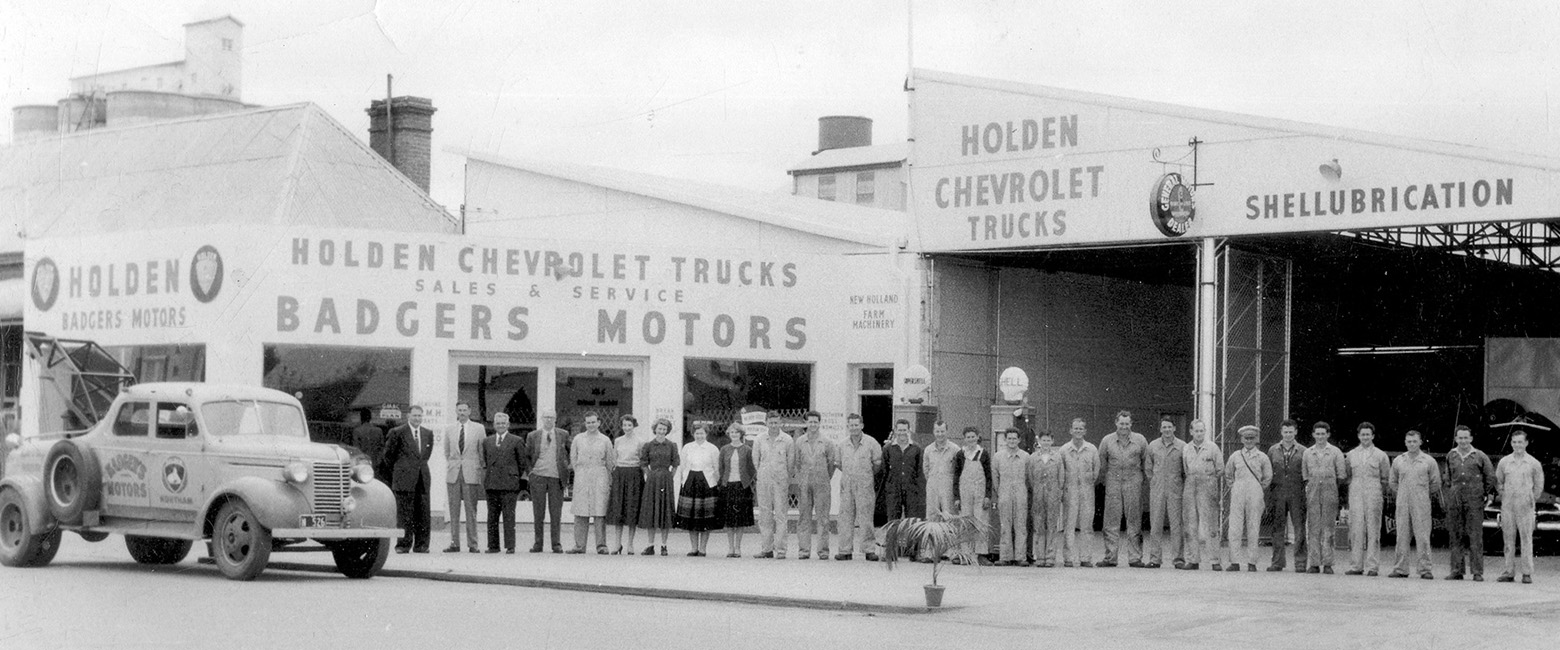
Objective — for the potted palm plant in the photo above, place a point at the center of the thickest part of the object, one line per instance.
(944, 536)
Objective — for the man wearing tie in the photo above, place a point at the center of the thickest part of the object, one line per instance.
(407, 449)
(463, 474)
(547, 449)
(503, 463)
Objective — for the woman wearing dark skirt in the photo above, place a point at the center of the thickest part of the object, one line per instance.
(696, 501)
(734, 488)
(658, 505)
(628, 484)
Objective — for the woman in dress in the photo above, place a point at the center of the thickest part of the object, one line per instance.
(628, 485)
(658, 504)
(592, 458)
(972, 472)
(734, 490)
(696, 497)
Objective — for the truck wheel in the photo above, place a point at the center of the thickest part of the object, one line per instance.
(20, 544)
(361, 558)
(72, 482)
(240, 545)
(92, 535)
(156, 550)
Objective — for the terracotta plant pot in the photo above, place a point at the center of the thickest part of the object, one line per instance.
(934, 594)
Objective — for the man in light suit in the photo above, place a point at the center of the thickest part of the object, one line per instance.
(547, 451)
(503, 463)
(463, 474)
(407, 450)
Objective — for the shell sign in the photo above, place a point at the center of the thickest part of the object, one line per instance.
(915, 383)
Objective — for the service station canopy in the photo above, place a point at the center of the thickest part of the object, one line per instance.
(1000, 165)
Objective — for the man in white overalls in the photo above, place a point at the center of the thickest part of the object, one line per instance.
(1249, 472)
(1520, 479)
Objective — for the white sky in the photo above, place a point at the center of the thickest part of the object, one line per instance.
(731, 91)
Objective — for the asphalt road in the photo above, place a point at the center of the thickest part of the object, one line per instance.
(122, 605)
(94, 596)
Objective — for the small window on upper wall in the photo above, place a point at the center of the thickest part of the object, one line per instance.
(826, 187)
(227, 45)
(865, 187)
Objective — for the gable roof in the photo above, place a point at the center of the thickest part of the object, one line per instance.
(842, 221)
(286, 165)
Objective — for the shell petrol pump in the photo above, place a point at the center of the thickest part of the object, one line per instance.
(1012, 410)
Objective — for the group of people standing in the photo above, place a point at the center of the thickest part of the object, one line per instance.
(1296, 487)
(1044, 499)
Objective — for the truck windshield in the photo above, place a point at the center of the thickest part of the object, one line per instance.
(253, 418)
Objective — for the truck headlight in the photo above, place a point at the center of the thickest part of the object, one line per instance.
(363, 473)
(296, 472)
(13, 441)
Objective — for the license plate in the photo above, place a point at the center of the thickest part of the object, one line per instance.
(311, 521)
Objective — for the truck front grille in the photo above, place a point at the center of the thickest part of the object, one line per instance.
(332, 483)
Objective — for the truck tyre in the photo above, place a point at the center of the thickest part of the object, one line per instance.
(156, 550)
(241, 545)
(93, 536)
(361, 559)
(21, 544)
(72, 481)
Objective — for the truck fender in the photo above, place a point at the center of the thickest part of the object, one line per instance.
(31, 489)
(274, 503)
(375, 505)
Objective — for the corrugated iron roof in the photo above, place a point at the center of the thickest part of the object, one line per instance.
(287, 165)
(877, 155)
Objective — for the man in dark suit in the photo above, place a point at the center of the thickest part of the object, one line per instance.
(370, 439)
(407, 449)
(547, 449)
(504, 461)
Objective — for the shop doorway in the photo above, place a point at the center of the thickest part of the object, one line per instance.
(607, 391)
(521, 385)
(875, 400)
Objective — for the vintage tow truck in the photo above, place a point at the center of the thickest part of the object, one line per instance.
(170, 464)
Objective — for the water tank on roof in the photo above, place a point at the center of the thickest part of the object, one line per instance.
(82, 112)
(841, 131)
(34, 122)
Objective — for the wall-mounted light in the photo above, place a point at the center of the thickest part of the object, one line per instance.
(1331, 170)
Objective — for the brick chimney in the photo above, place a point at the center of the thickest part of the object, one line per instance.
(413, 134)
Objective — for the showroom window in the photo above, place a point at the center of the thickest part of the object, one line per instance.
(335, 381)
(715, 390)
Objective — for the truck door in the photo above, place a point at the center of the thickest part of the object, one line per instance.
(174, 454)
(122, 454)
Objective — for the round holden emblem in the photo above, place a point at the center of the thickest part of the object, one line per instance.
(45, 284)
(1171, 205)
(206, 273)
